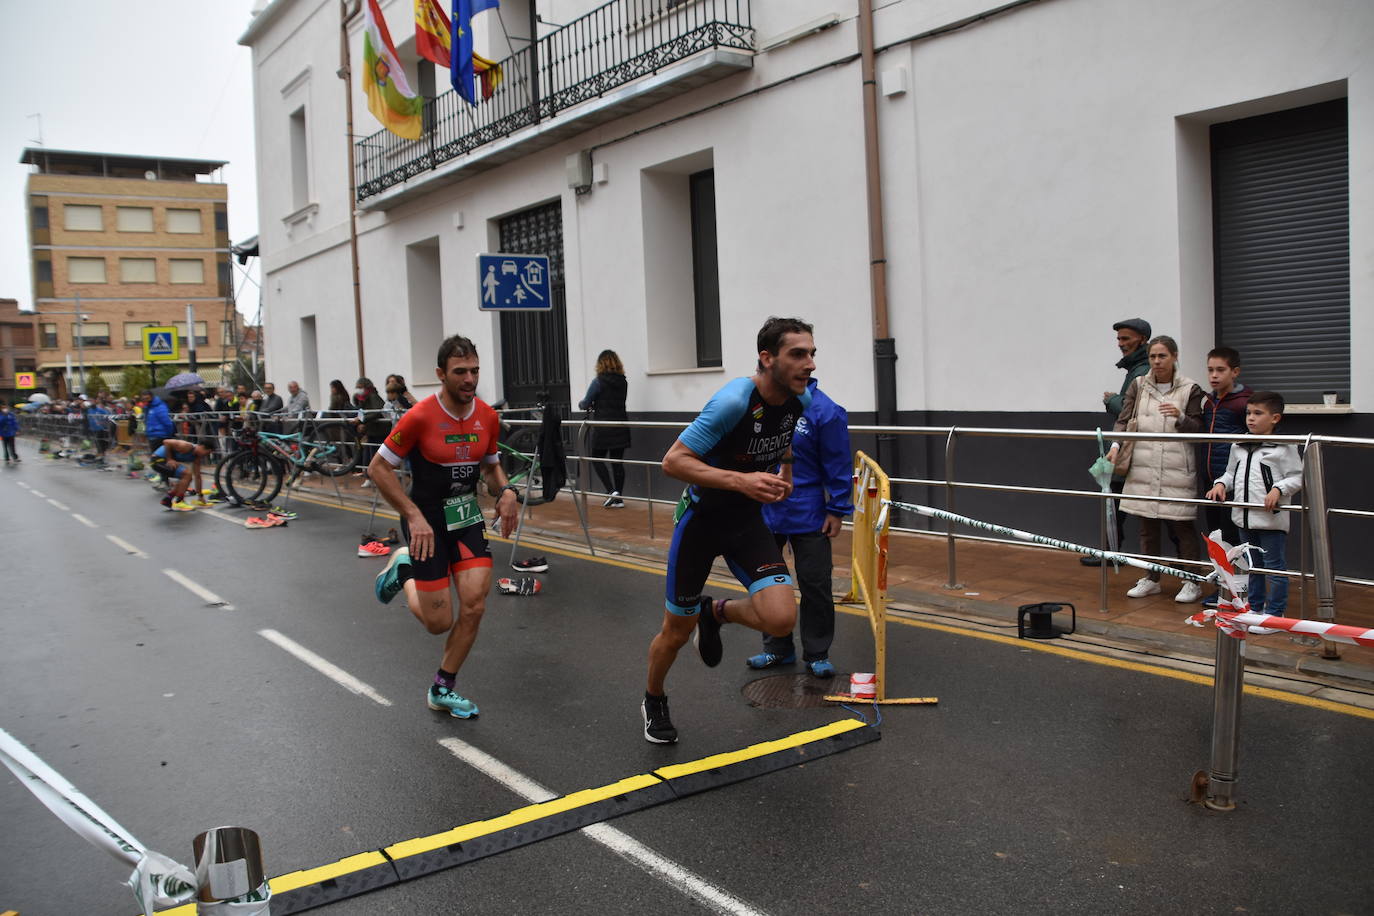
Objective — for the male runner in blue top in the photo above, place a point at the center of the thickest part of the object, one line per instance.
(736, 456)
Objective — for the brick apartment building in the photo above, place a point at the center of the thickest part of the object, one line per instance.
(16, 348)
(127, 242)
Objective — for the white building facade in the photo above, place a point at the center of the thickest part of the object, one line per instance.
(1047, 168)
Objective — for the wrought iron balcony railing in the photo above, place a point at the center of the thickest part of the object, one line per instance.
(612, 45)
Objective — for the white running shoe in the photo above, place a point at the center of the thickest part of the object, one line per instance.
(1190, 593)
(1144, 588)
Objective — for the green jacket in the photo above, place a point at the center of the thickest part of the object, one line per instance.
(1136, 363)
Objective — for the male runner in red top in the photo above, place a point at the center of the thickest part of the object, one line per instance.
(450, 439)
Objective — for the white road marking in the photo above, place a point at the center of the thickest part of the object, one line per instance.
(83, 520)
(714, 898)
(38, 493)
(24, 485)
(199, 590)
(125, 546)
(327, 668)
(57, 505)
(215, 513)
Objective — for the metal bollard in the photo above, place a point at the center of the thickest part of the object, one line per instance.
(1227, 687)
(229, 873)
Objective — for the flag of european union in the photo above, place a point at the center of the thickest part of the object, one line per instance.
(460, 46)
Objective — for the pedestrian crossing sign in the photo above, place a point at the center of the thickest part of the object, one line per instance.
(25, 380)
(160, 343)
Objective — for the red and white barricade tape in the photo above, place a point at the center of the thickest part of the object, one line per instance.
(1237, 624)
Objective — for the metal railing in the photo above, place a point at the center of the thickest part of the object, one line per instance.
(608, 47)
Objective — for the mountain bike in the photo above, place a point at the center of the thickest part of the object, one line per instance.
(266, 461)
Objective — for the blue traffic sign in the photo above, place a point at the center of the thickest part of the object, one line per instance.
(513, 282)
(160, 343)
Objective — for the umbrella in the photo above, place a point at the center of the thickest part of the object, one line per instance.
(184, 381)
(39, 397)
(1101, 471)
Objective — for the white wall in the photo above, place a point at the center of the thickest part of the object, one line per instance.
(1045, 175)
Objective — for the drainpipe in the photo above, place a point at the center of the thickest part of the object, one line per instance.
(884, 346)
(346, 74)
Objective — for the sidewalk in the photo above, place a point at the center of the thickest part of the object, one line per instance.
(994, 580)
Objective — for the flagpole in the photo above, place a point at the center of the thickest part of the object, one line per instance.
(534, 63)
(345, 74)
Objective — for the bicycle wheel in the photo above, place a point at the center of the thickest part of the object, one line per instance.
(517, 455)
(252, 476)
(341, 455)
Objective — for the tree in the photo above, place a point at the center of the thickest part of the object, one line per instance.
(95, 381)
(135, 381)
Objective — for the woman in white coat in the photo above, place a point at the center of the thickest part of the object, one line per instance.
(1162, 401)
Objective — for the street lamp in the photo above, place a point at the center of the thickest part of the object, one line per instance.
(80, 341)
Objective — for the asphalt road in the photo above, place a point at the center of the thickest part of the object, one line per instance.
(1039, 784)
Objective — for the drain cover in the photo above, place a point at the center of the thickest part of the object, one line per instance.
(792, 691)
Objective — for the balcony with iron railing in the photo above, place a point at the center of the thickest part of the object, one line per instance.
(619, 58)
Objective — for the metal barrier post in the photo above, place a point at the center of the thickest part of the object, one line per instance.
(1102, 564)
(1314, 486)
(229, 873)
(648, 489)
(1226, 693)
(952, 563)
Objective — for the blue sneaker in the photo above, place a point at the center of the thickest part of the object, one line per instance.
(768, 660)
(821, 668)
(460, 707)
(389, 582)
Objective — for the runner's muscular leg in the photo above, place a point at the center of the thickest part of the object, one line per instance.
(771, 610)
(473, 585)
(676, 630)
(434, 608)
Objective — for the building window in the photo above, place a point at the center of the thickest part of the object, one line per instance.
(227, 329)
(705, 267)
(134, 219)
(91, 334)
(186, 270)
(42, 271)
(86, 270)
(40, 216)
(137, 270)
(1281, 223)
(300, 161)
(49, 337)
(221, 220)
(133, 332)
(226, 278)
(202, 333)
(82, 218)
(183, 222)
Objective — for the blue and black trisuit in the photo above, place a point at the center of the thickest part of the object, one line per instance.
(184, 459)
(738, 431)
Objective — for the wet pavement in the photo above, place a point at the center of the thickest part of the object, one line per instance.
(1051, 777)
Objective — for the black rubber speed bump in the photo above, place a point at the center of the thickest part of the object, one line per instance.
(303, 890)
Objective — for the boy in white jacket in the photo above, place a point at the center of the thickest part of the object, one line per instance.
(1268, 473)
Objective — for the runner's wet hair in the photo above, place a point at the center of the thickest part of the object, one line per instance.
(775, 329)
(457, 345)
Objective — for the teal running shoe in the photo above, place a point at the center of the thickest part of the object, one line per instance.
(769, 659)
(389, 582)
(460, 707)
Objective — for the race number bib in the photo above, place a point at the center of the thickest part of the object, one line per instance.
(462, 511)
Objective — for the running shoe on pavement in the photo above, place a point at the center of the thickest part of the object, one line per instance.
(166, 503)
(373, 548)
(182, 506)
(658, 726)
(460, 707)
(821, 668)
(769, 659)
(707, 637)
(531, 564)
(389, 582)
(281, 512)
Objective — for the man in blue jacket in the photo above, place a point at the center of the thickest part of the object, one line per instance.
(157, 422)
(821, 497)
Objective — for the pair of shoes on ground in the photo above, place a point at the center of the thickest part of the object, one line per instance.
(531, 565)
(1145, 587)
(520, 585)
(819, 668)
(178, 505)
(372, 546)
(613, 501)
(271, 521)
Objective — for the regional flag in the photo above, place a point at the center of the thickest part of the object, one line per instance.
(384, 79)
(461, 69)
(488, 72)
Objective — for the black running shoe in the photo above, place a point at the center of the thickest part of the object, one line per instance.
(658, 727)
(707, 636)
(531, 565)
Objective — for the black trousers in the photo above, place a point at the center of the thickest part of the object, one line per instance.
(811, 566)
(611, 473)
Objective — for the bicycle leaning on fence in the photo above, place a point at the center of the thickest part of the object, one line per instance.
(265, 462)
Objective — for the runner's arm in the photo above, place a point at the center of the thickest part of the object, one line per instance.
(686, 465)
(381, 472)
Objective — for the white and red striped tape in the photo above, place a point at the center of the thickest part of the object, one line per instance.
(1237, 624)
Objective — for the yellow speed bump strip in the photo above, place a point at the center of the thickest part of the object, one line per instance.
(309, 888)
